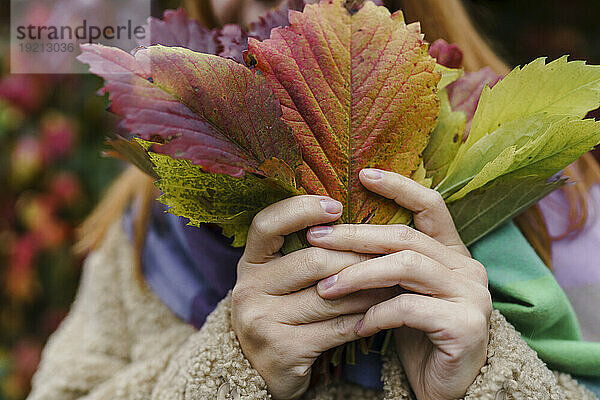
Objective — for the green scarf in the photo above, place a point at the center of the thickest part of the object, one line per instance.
(525, 292)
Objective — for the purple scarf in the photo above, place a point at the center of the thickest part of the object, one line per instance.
(190, 269)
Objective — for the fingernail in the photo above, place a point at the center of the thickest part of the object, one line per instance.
(331, 206)
(372, 174)
(327, 282)
(358, 326)
(320, 231)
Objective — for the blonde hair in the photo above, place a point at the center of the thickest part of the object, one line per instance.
(446, 19)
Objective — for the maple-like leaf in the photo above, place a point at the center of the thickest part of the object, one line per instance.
(524, 130)
(210, 110)
(222, 199)
(530, 119)
(559, 87)
(548, 144)
(358, 90)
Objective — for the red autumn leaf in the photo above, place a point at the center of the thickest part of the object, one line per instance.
(358, 90)
(210, 110)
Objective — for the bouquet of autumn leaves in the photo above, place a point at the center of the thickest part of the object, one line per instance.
(330, 90)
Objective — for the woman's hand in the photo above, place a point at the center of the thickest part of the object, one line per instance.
(281, 322)
(441, 320)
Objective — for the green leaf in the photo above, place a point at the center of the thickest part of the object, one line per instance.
(557, 88)
(358, 90)
(222, 199)
(514, 134)
(559, 145)
(449, 75)
(486, 208)
(445, 140)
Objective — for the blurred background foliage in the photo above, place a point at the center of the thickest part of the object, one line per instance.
(52, 130)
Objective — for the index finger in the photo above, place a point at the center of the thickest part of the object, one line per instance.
(431, 215)
(303, 268)
(269, 226)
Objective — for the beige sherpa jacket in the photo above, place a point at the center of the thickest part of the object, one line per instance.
(121, 342)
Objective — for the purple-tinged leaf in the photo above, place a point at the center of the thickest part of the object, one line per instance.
(448, 55)
(464, 93)
(176, 29)
(210, 110)
(278, 17)
(233, 42)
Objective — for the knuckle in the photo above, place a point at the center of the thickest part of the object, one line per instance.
(253, 322)
(410, 260)
(434, 199)
(371, 314)
(485, 302)
(245, 272)
(473, 323)
(372, 319)
(403, 233)
(479, 272)
(303, 205)
(261, 224)
(327, 307)
(362, 257)
(406, 304)
(352, 232)
(479, 298)
(301, 371)
(342, 326)
(240, 294)
(313, 259)
(478, 327)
